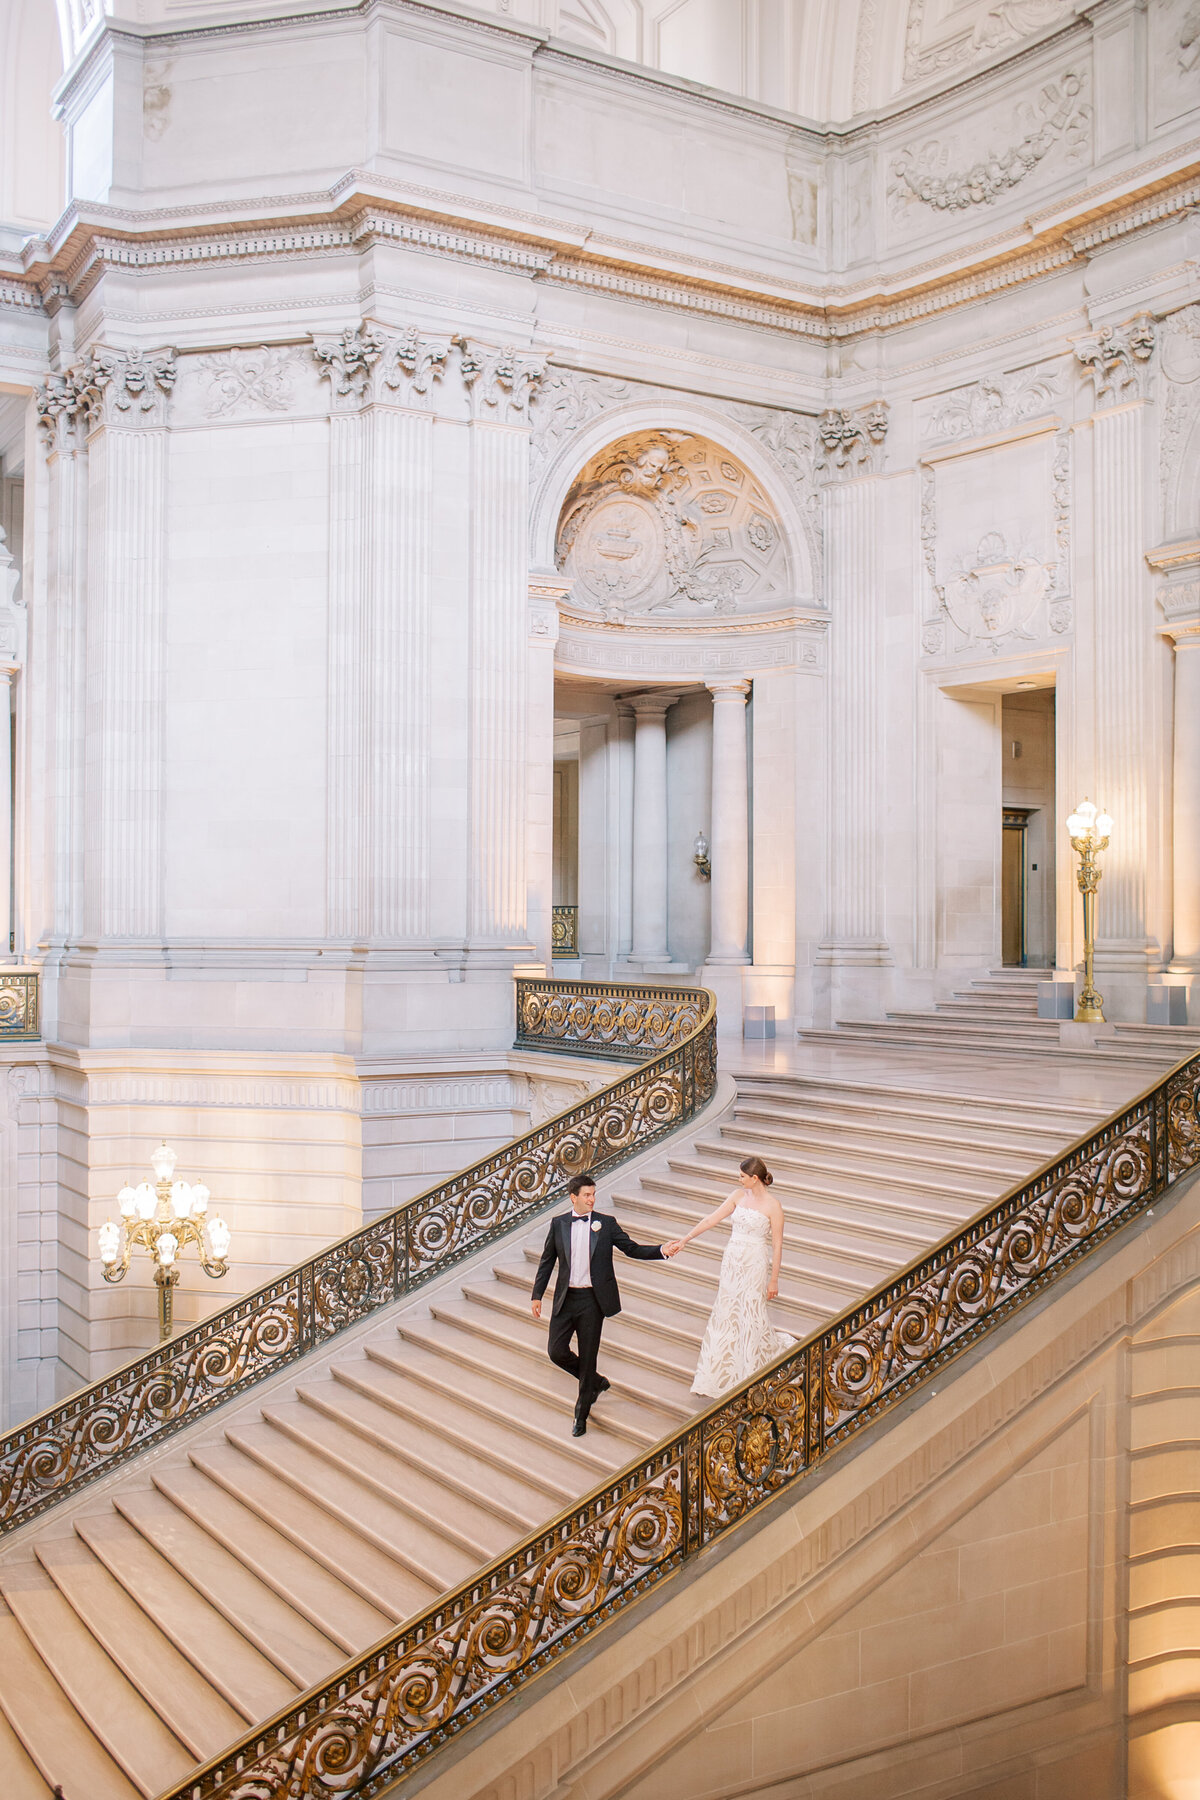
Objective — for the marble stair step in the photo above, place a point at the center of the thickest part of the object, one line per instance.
(428, 1454)
(404, 1534)
(138, 1741)
(199, 1717)
(646, 1364)
(632, 1338)
(360, 1564)
(479, 1352)
(887, 1035)
(720, 1161)
(848, 1243)
(941, 1148)
(23, 1780)
(342, 1616)
(738, 1139)
(281, 1633)
(477, 1526)
(249, 1681)
(941, 1110)
(470, 1447)
(535, 1425)
(868, 1203)
(50, 1730)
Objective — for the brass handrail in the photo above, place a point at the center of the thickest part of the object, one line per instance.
(54, 1454)
(421, 1686)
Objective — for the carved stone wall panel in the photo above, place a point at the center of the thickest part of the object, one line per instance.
(1178, 433)
(1174, 56)
(977, 161)
(996, 544)
(935, 45)
(671, 524)
(998, 402)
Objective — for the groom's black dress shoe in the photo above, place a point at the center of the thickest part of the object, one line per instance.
(579, 1428)
(602, 1386)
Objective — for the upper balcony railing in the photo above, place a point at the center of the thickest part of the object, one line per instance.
(99, 1427)
(379, 1717)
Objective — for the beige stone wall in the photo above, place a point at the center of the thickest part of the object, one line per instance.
(958, 1610)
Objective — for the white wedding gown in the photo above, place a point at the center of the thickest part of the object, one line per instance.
(739, 1337)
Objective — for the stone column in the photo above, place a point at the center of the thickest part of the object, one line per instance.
(730, 827)
(650, 826)
(1128, 750)
(546, 589)
(499, 384)
(7, 674)
(855, 933)
(380, 613)
(61, 423)
(1179, 598)
(125, 397)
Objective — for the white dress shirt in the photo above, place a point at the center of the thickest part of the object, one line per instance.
(581, 1250)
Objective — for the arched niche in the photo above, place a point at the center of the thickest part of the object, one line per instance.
(686, 510)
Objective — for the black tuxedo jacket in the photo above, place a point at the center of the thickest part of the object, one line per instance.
(608, 1238)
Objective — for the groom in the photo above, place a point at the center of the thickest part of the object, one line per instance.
(586, 1291)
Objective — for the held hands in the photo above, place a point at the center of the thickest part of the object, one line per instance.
(673, 1248)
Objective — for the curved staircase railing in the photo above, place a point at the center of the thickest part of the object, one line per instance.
(93, 1431)
(377, 1718)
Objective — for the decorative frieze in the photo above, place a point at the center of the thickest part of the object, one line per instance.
(1119, 358)
(852, 441)
(261, 379)
(921, 174)
(993, 403)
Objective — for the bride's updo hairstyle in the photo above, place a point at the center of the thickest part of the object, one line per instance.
(757, 1168)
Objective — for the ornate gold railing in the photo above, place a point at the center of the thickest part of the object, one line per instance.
(97, 1428)
(564, 931)
(19, 1011)
(378, 1717)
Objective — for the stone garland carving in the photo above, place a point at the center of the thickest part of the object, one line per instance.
(1118, 359)
(852, 442)
(1005, 23)
(239, 380)
(993, 403)
(1179, 357)
(1058, 116)
(109, 387)
(1060, 613)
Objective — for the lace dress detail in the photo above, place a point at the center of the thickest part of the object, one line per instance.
(739, 1337)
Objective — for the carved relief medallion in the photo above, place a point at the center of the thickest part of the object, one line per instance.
(671, 524)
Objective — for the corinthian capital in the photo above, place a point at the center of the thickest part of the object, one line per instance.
(349, 358)
(1118, 359)
(852, 442)
(60, 411)
(126, 387)
(500, 382)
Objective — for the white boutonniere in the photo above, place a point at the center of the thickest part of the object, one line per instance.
(595, 1224)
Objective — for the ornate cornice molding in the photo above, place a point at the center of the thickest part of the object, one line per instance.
(1119, 358)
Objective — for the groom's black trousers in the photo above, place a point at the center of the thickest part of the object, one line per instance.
(578, 1317)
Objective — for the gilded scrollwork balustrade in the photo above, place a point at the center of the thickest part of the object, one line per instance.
(670, 1033)
(378, 1718)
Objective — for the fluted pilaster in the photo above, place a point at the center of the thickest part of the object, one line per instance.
(730, 829)
(855, 929)
(61, 420)
(125, 398)
(650, 825)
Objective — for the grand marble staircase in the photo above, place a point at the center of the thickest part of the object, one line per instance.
(149, 1623)
(997, 1013)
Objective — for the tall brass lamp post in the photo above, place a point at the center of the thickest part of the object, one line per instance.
(1089, 831)
(164, 1218)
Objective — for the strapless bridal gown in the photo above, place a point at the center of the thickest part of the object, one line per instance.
(739, 1337)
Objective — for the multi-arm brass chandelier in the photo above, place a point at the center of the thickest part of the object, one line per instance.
(164, 1217)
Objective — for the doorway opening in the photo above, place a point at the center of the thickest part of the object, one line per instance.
(1027, 876)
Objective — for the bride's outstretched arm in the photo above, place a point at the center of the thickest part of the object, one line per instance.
(714, 1218)
(776, 1251)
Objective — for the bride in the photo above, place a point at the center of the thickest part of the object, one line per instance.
(739, 1337)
